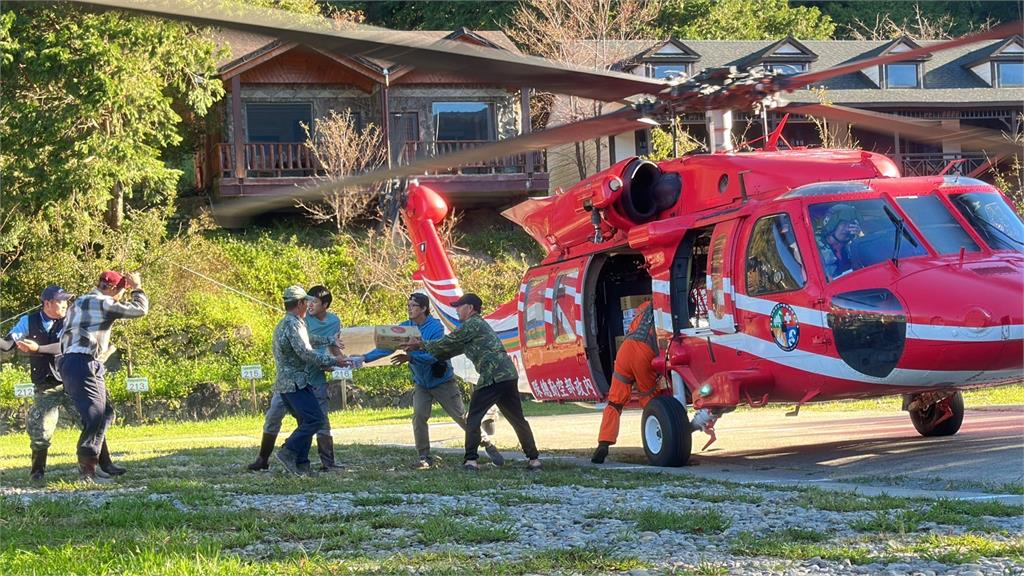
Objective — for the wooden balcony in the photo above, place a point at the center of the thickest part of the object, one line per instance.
(931, 163)
(276, 168)
(524, 163)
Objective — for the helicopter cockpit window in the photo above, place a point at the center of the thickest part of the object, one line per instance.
(934, 220)
(533, 304)
(858, 233)
(563, 306)
(992, 218)
(774, 263)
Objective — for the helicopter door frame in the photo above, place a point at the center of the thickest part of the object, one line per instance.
(554, 357)
(721, 292)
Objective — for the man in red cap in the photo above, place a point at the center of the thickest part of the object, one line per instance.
(85, 344)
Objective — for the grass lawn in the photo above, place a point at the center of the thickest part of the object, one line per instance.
(187, 506)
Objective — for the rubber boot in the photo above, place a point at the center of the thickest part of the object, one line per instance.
(38, 465)
(106, 464)
(325, 449)
(600, 453)
(87, 471)
(266, 449)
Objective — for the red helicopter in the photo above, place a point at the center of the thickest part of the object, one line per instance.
(778, 275)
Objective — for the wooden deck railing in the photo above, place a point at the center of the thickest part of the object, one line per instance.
(269, 160)
(295, 159)
(519, 163)
(931, 163)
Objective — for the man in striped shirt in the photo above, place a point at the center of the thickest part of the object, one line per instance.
(85, 344)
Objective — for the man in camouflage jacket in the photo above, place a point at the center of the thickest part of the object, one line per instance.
(498, 383)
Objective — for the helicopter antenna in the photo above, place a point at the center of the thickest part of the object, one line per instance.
(743, 185)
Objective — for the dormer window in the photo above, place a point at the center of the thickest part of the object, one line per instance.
(785, 67)
(902, 75)
(906, 74)
(669, 59)
(1001, 65)
(667, 69)
(1010, 74)
(787, 56)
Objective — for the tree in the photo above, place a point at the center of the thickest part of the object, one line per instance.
(743, 20)
(856, 19)
(404, 15)
(584, 33)
(341, 150)
(88, 108)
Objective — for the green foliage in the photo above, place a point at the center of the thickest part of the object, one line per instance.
(475, 15)
(201, 330)
(743, 20)
(963, 16)
(90, 104)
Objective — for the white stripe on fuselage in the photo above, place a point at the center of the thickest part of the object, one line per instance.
(837, 368)
(914, 331)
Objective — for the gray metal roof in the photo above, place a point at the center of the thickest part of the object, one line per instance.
(947, 74)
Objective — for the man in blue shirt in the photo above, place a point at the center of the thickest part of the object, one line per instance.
(320, 325)
(433, 380)
(38, 335)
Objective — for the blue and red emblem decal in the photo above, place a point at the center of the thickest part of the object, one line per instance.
(785, 327)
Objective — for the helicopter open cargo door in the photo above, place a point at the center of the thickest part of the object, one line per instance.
(552, 336)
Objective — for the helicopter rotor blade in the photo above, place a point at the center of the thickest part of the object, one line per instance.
(616, 122)
(790, 83)
(924, 131)
(485, 64)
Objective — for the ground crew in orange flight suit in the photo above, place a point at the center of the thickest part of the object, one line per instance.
(632, 366)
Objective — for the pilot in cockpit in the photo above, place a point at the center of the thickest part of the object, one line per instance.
(838, 229)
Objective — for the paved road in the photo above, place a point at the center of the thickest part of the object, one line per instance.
(866, 448)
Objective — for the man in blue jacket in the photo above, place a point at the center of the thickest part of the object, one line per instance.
(433, 380)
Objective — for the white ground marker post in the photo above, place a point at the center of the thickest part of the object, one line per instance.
(252, 373)
(23, 392)
(138, 385)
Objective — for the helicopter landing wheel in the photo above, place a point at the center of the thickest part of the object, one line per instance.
(942, 418)
(665, 430)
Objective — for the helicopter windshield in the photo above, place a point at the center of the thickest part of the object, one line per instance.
(992, 218)
(854, 234)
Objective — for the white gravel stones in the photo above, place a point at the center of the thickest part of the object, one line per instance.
(573, 517)
(575, 520)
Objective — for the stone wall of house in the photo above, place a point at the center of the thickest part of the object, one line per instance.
(419, 99)
(323, 99)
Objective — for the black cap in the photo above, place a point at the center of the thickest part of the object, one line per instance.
(54, 292)
(471, 299)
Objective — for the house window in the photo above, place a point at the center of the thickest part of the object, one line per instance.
(277, 122)
(785, 67)
(463, 121)
(903, 75)
(667, 69)
(1010, 74)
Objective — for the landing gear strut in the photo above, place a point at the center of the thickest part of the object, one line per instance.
(936, 414)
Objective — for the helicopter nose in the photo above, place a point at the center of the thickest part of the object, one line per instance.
(966, 318)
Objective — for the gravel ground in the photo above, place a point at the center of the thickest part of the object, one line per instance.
(575, 517)
(576, 520)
